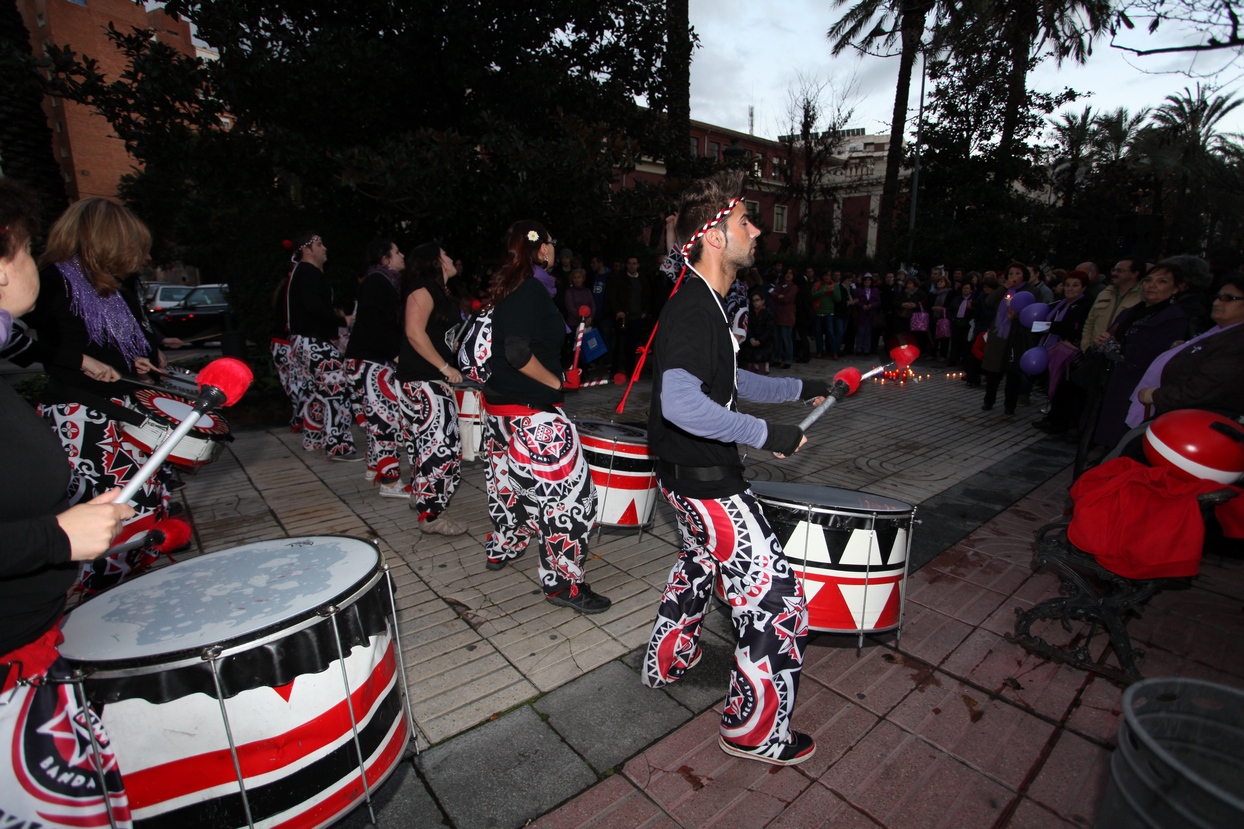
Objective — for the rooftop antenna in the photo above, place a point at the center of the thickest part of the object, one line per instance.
(751, 120)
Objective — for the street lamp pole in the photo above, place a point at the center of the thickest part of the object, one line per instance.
(915, 172)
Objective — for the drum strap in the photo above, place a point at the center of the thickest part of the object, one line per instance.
(698, 473)
(58, 391)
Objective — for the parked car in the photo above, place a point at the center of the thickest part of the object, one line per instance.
(160, 297)
(203, 314)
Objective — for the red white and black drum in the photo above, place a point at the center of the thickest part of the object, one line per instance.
(848, 548)
(624, 472)
(470, 398)
(241, 687)
(162, 413)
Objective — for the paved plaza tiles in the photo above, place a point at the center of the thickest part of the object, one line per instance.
(529, 714)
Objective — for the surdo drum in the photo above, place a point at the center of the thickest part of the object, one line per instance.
(240, 688)
(624, 472)
(470, 419)
(162, 413)
(849, 550)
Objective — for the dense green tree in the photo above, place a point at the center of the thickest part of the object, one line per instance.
(415, 118)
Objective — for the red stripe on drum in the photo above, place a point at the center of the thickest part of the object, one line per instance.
(155, 785)
(622, 481)
(352, 793)
(609, 447)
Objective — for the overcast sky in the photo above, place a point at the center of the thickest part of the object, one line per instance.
(753, 54)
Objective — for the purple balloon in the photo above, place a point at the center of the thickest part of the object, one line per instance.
(1036, 312)
(1034, 360)
(1021, 301)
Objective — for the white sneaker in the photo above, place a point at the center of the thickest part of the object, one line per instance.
(369, 475)
(394, 489)
(443, 524)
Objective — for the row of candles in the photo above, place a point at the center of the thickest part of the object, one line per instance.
(906, 375)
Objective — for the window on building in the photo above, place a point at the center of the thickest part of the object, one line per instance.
(779, 218)
(714, 150)
(60, 126)
(41, 19)
(753, 210)
(758, 166)
(695, 145)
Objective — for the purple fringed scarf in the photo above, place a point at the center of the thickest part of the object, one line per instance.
(108, 320)
(395, 278)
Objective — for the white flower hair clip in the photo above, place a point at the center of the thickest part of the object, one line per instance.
(532, 236)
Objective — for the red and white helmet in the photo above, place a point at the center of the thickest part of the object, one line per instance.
(1184, 441)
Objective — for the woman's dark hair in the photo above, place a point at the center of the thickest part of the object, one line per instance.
(377, 250)
(19, 216)
(425, 261)
(1174, 267)
(1235, 280)
(1015, 263)
(521, 252)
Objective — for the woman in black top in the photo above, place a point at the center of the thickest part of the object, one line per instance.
(370, 357)
(41, 540)
(424, 373)
(89, 337)
(538, 482)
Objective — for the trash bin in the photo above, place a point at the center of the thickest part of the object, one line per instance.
(1180, 758)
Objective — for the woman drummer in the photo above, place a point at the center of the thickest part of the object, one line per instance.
(51, 775)
(538, 481)
(89, 337)
(424, 371)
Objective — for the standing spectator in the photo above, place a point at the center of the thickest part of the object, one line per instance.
(757, 347)
(802, 335)
(784, 298)
(538, 482)
(1142, 332)
(371, 357)
(823, 314)
(577, 296)
(1063, 344)
(1122, 293)
(867, 305)
(599, 278)
(907, 302)
(844, 309)
(1037, 286)
(1007, 341)
(937, 312)
(960, 312)
(629, 300)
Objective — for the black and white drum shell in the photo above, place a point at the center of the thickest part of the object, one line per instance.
(162, 412)
(623, 470)
(849, 549)
(263, 623)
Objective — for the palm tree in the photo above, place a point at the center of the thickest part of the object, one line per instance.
(1114, 132)
(901, 21)
(1022, 29)
(1073, 134)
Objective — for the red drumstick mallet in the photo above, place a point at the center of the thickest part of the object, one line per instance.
(572, 373)
(221, 383)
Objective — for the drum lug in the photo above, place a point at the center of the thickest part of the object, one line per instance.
(327, 610)
(210, 654)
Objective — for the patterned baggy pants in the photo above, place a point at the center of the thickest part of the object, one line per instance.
(539, 484)
(326, 413)
(730, 539)
(433, 445)
(50, 775)
(375, 385)
(102, 460)
(289, 372)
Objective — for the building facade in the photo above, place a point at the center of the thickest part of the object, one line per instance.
(91, 156)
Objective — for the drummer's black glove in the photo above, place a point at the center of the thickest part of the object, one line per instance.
(783, 438)
(813, 389)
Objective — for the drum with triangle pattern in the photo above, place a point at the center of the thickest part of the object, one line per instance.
(849, 550)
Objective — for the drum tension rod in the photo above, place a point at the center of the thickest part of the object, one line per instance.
(80, 693)
(354, 724)
(210, 655)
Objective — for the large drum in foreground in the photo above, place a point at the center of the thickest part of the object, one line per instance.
(624, 472)
(241, 687)
(470, 399)
(848, 548)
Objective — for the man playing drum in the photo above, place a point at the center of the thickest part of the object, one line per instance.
(693, 428)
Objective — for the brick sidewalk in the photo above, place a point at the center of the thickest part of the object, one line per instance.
(955, 722)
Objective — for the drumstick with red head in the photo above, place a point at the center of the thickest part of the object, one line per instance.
(585, 313)
(221, 383)
(848, 380)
